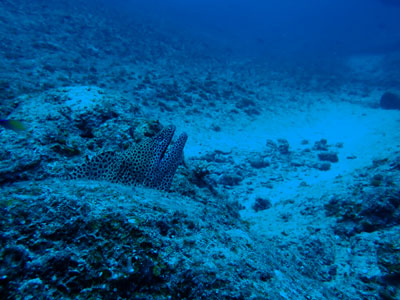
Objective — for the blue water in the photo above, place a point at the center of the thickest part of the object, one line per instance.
(285, 27)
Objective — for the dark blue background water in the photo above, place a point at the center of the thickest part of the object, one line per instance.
(284, 27)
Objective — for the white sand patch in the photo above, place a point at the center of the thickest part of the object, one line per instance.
(366, 133)
(82, 98)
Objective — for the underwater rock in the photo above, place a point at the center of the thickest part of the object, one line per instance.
(258, 162)
(369, 212)
(261, 204)
(321, 145)
(271, 146)
(230, 179)
(328, 156)
(19, 165)
(69, 240)
(390, 101)
(218, 156)
(322, 166)
(377, 180)
(283, 146)
(388, 255)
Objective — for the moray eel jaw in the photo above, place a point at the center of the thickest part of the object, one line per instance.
(162, 141)
(168, 163)
(167, 159)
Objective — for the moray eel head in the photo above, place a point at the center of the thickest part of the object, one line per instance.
(152, 162)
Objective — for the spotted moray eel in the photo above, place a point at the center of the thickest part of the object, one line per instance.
(151, 163)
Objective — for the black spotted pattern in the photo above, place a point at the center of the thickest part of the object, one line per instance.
(152, 163)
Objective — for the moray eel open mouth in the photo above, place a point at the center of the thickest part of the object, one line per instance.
(164, 139)
(152, 162)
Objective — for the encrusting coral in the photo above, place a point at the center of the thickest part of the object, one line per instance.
(150, 163)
